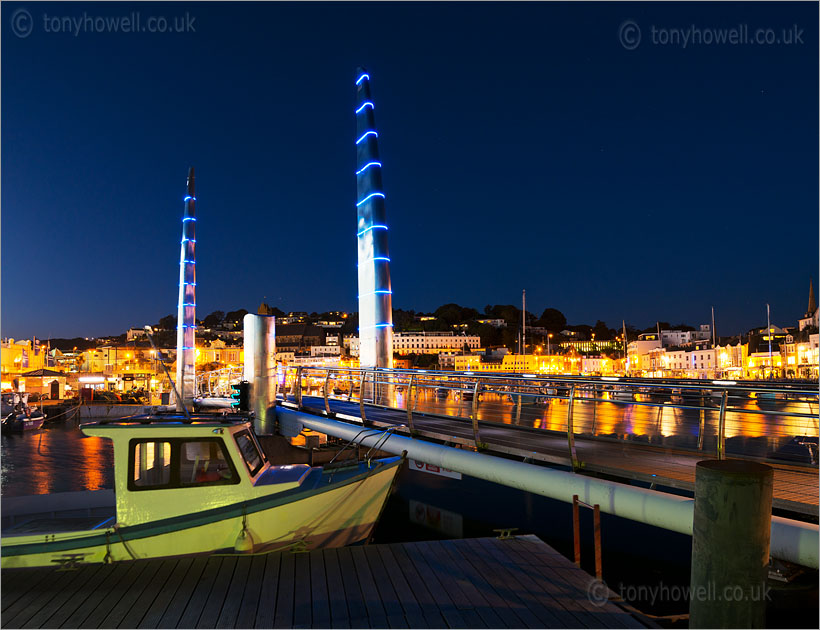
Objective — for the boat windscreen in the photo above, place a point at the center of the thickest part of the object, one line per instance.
(250, 453)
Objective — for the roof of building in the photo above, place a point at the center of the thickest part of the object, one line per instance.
(43, 372)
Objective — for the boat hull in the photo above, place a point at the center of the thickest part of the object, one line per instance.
(331, 515)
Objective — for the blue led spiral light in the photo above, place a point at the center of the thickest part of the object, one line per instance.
(375, 293)
(186, 308)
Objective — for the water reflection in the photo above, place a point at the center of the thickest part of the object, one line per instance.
(56, 459)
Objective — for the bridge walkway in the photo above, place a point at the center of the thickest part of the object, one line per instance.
(795, 486)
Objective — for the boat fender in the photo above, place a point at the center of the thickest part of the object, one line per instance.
(244, 541)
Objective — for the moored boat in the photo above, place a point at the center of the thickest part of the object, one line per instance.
(199, 487)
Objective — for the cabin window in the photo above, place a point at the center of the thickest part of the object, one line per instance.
(152, 464)
(179, 463)
(250, 453)
(203, 462)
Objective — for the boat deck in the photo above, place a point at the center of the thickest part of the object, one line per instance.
(795, 486)
(518, 582)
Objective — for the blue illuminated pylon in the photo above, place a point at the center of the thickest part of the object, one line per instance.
(375, 292)
(186, 308)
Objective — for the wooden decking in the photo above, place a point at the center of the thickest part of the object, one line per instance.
(795, 487)
(474, 583)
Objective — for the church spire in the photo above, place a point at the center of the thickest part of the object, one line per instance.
(812, 301)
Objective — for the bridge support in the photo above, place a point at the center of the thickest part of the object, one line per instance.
(260, 369)
(186, 307)
(375, 292)
(730, 544)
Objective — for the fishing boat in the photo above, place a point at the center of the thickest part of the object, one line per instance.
(18, 416)
(197, 486)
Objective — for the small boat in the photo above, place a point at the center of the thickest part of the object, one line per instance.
(441, 393)
(196, 487)
(17, 416)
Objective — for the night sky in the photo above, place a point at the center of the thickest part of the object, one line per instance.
(524, 147)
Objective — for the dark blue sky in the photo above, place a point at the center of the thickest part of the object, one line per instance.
(523, 147)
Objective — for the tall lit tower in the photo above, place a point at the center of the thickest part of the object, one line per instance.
(186, 310)
(375, 294)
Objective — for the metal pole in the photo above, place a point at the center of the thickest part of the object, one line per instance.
(361, 397)
(769, 335)
(721, 445)
(571, 431)
(730, 544)
(327, 393)
(596, 515)
(576, 531)
(476, 438)
(298, 386)
(794, 541)
(409, 403)
(260, 368)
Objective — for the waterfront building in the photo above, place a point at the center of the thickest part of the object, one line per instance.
(433, 342)
(22, 355)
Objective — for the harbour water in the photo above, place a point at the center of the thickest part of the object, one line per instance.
(636, 558)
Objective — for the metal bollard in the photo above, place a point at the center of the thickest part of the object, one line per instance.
(730, 544)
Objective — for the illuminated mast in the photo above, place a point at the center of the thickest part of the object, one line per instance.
(186, 310)
(375, 294)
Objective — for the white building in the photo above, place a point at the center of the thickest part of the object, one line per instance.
(671, 338)
(432, 342)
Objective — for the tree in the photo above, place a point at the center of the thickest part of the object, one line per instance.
(602, 331)
(236, 316)
(214, 319)
(169, 322)
(553, 320)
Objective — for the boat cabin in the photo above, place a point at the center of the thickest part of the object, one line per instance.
(167, 467)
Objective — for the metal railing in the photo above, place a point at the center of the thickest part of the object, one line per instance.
(717, 417)
(740, 419)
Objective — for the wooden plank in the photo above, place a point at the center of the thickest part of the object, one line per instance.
(22, 582)
(81, 617)
(302, 615)
(266, 609)
(406, 598)
(149, 595)
(216, 598)
(176, 606)
(251, 598)
(199, 597)
(284, 596)
(318, 589)
(576, 583)
(133, 594)
(31, 601)
(356, 609)
(86, 587)
(500, 586)
(562, 595)
(429, 608)
(336, 593)
(128, 592)
(537, 599)
(156, 612)
(470, 587)
(446, 576)
(372, 601)
(494, 598)
(233, 599)
(59, 597)
(388, 595)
